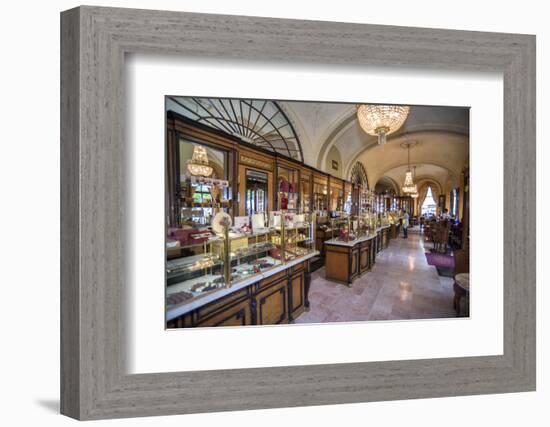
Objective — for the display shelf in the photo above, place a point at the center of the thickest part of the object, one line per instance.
(191, 264)
(251, 250)
(232, 257)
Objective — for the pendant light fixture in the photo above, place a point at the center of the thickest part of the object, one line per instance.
(408, 186)
(199, 164)
(381, 120)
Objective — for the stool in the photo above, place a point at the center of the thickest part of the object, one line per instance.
(462, 290)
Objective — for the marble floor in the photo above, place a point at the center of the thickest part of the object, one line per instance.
(401, 285)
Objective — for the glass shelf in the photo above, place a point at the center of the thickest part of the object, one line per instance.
(191, 264)
(235, 256)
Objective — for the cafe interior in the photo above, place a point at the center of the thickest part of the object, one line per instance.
(287, 212)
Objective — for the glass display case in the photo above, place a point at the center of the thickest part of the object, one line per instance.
(365, 224)
(383, 219)
(341, 227)
(227, 258)
(320, 197)
(294, 234)
(305, 194)
(336, 203)
(394, 217)
(287, 188)
(193, 276)
(367, 201)
(251, 254)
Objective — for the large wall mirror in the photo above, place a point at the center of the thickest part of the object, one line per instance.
(204, 175)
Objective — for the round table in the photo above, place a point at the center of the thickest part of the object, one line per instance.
(462, 290)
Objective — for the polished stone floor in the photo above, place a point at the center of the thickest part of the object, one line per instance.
(401, 285)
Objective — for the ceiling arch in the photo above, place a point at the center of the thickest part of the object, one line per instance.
(423, 171)
(421, 183)
(449, 151)
(387, 182)
(348, 136)
(258, 122)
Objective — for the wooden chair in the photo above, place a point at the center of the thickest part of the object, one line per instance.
(441, 236)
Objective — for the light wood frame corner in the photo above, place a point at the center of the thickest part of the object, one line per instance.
(94, 42)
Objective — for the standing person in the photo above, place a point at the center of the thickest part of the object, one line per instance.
(405, 225)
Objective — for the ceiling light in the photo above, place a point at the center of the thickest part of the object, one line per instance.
(199, 165)
(381, 120)
(408, 186)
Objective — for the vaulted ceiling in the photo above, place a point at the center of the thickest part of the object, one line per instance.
(328, 136)
(330, 131)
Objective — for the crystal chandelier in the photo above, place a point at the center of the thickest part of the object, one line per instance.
(381, 120)
(199, 165)
(408, 186)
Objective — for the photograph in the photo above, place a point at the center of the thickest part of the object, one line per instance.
(308, 212)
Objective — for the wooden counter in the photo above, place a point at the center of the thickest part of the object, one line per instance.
(276, 296)
(382, 238)
(345, 261)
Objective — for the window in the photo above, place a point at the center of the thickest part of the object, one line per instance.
(429, 205)
(454, 202)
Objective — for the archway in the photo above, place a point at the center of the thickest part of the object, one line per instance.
(429, 204)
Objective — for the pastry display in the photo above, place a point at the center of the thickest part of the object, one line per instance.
(240, 253)
(190, 264)
(205, 286)
(178, 297)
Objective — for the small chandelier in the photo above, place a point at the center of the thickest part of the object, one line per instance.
(199, 165)
(381, 120)
(408, 186)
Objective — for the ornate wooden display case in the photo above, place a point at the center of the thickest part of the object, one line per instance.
(232, 264)
(219, 262)
(288, 187)
(306, 191)
(336, 195)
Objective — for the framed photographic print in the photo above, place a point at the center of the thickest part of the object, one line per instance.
(210, 247)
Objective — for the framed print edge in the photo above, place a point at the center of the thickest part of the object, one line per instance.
(94, 42)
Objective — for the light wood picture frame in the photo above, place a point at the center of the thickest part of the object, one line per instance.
(94, 382)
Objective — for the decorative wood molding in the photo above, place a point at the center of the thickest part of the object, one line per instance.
(250, 161)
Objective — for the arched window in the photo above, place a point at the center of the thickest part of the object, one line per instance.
(258, 122)
(359, 175)
(429, 206)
